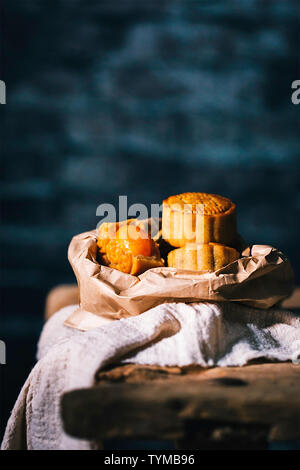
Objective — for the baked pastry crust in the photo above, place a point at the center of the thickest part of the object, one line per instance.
(202, 257)
(199, 218)
(122, 253)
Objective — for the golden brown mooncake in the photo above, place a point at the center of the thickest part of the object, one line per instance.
(128, 247)
(202, 257)
(199, 218)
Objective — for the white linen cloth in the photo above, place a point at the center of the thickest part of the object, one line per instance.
(220, 334)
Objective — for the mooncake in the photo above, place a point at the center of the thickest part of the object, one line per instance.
(199, 218)
(202, 257)
(128, 247)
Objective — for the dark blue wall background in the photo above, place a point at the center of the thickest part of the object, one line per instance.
(145, 98)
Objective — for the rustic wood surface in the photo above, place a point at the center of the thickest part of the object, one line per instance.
(218, 407)
(292, 302)
(59, 297)
(132, 401)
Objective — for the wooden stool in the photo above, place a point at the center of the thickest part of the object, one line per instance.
(216, 408)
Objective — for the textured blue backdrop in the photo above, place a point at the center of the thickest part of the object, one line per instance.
(144, 98)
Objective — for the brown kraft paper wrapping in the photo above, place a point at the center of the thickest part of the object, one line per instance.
(260, 278)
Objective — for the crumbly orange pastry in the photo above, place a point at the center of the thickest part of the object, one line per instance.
(202, 257)
(128, 247)
(198, 217)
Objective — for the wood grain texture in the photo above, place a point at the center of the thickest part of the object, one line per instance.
(59, 297)
(292, 302)
(134, 401)
(237, 407)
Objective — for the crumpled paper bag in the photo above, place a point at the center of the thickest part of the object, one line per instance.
(260, 278)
